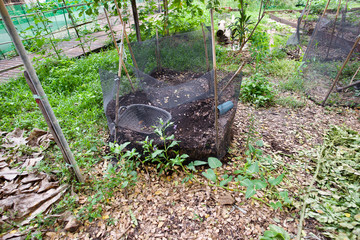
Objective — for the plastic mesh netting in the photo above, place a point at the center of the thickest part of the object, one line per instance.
(330, 44)
(173, 75)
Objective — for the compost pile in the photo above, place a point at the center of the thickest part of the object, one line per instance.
(331, 42)
(173, 74)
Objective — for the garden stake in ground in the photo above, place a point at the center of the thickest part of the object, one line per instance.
(41, 96)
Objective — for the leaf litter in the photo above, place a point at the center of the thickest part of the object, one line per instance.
(25, 192)
(165, 208)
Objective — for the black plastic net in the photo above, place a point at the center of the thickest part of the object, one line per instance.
(330, 45)
(174, 79)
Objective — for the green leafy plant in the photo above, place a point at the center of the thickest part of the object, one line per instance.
(275, 233)
(258, 91)
(240, 28)
(165, 157)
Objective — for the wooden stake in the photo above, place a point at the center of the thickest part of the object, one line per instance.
(232, 78)
(118, 50)
(74, 26)
(40, 94)
(333, 30)
(215, 80)
(341, 69)
(126, 36)
(118, 81)
(326, 7)
(357, 71)
(205, 47)
(158, 61)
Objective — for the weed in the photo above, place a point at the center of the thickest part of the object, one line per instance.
(258, 91)
(281, 68)
(295, 84)
(275, 232)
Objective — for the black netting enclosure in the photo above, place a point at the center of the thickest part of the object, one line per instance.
(175, 84)
(332, 40)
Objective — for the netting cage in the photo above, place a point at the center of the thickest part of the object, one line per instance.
(334, 39)
(175, 84)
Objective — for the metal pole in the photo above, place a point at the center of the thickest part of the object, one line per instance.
(215, 79)
(77, 33)
(41, 96)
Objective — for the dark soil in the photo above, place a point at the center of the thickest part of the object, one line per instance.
(193, 123)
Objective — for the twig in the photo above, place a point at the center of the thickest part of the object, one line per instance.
(302, 216)
(348, 86)
(127, 229)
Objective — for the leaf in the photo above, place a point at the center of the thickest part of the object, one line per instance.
(199, 163)
(254, 168)
(210, 174)
(214, 162)
(226, 181)
(285, 196)
(247, 183)
(259, 143)
(156, 153)
(259, 184)
(276, 181)
(133, 218)
(250, 191)
(275, 233)
(124, 185)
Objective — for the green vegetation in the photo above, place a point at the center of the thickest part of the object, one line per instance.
(257, 90)
(336, 201)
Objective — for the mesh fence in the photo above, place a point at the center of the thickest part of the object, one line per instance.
(330, 44)
(173, 75)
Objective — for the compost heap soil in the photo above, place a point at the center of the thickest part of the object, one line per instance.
(193, 122)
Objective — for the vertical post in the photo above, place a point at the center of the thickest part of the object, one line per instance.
(74, 26)
(126, 36)
(158, 61)
(118, 81)
(66, 23)
(47, 30)
(136, 20)
(117, 48)
(215, 79)
(341, 69)
(166, 13)
(205, 47)
(333, 30)
(326, 7)
(40, 94)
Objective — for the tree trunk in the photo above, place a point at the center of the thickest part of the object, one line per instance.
(136, 20)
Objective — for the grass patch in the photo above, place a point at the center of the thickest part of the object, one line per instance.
(281, 68)
(290, 101)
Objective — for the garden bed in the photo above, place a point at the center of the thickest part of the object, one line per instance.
(193, 122)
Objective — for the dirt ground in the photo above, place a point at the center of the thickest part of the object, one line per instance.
(165, 208)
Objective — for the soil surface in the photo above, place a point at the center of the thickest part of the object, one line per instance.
(193, 122)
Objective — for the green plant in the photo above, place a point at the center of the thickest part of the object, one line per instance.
(290, 101)
(257, 90)
(165, 157)
(275, 233)
(240, 28)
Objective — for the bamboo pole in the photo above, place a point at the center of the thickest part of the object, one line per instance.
(205, 47)
(215, 80)
(117, 48)
(326, 7)
(118, 81)
(233, 77)
(126, 36)
(352, 79)
(40, 94)
(333, 30)
(76, 31)
(158, 61)
(342, 68)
